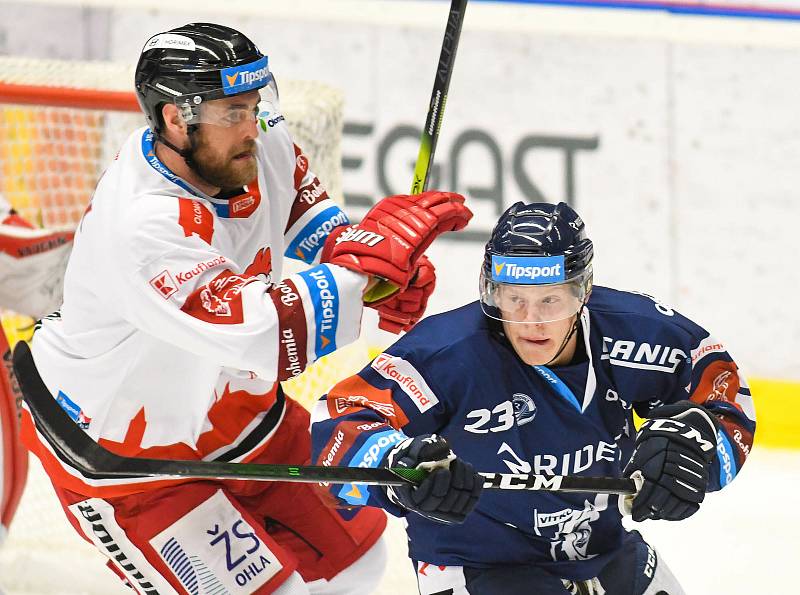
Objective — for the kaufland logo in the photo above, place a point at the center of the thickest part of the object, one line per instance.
(199, 268)
(164, 284)
(407, 377)
(238, 79)
(528, 270)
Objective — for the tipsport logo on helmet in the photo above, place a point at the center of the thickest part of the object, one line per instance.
(238, 79)
(528, 270)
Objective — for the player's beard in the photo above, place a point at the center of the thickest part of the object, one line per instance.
(223, 171)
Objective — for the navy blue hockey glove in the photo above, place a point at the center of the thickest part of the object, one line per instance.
(591, 586)
(449, 492)
(674, 451)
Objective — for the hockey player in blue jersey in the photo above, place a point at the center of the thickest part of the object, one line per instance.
(541, 375)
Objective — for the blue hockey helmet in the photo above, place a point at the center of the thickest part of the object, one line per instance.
(197, 63)
(537, 265)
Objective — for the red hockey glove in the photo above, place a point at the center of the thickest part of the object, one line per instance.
(393, 235)
(404, 309)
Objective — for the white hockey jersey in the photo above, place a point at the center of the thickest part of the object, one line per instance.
(175, 330)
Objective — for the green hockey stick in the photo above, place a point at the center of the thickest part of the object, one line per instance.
(444, 70)
(77, 450)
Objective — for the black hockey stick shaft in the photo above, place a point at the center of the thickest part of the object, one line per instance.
(444, 70)
(77, 449)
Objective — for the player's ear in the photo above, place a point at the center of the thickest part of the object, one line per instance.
(173, 121)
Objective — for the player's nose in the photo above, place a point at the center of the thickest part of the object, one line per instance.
(250, 129)
(533, 313)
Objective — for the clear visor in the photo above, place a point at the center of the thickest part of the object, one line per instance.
(515, 303)
(209, 108)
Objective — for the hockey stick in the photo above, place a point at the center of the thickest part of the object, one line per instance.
(433, 122)
(75, 448)
(444, 70)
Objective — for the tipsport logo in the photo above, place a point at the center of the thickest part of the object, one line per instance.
(528, 270)
(74, 411)
(369, 455)
(311, 238)
(238, 79)
(325, 297)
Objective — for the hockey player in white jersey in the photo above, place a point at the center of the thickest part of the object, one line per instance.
(176, 329)
(541, 375)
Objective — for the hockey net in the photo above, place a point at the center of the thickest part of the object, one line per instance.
(60, 124)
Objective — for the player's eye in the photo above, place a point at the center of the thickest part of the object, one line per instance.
(237, 115)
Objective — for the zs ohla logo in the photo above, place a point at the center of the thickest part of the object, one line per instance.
(238, 531)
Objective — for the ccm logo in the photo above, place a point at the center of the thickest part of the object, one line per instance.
(676, 427)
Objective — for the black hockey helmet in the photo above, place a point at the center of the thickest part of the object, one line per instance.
(196, 63)
(533, 245)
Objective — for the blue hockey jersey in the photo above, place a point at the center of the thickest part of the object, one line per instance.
(456, 375)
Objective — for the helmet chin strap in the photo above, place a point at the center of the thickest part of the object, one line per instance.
(572, 331)
(187, 154)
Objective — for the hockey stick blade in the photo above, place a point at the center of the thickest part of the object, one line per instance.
(75, 448)
(444, 70)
